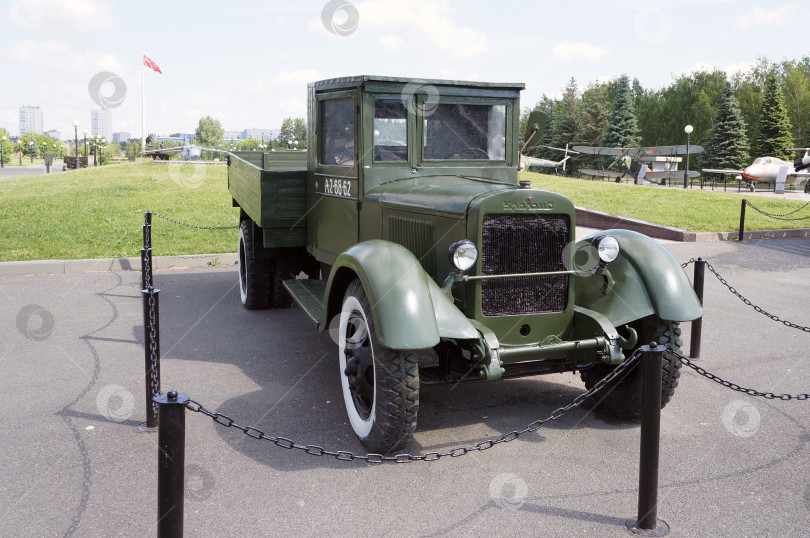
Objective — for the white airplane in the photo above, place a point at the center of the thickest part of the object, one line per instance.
(189, 152)
(772, 170)
(527, 162)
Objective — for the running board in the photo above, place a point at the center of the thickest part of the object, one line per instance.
(308, 294)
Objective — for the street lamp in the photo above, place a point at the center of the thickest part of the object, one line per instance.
(76, 144)
(103, 145)
(31, 150)
(85, 148)
(688, 130)
(95, 150)
(291, 141)
(2, 141)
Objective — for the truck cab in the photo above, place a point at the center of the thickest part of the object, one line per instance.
(419, 240)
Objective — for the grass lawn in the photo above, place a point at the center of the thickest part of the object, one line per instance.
(98, 212)
(691, 209)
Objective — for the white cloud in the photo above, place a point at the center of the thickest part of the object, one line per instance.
(295, 78)
(433, 23)
(768, 19)
(391, 42)
(77, 16)
(568, 51)
(58, 56)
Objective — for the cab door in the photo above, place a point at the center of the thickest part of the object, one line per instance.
(333, 219)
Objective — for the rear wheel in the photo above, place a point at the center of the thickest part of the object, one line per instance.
(622, 397)
(254, 273)
(380, 386)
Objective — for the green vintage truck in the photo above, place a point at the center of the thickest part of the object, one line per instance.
(430, 263)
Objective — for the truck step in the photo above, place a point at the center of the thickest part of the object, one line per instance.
(308, 294)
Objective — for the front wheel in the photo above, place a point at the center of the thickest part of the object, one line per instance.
(380, 386)
(622, 397)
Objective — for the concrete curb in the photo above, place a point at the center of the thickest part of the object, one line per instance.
(49, 267)
(605, 221)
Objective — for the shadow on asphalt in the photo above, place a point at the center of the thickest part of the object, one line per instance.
(300, 397)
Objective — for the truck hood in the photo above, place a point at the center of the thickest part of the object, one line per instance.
(444, 194)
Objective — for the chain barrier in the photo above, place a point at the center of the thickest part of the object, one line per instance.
(752, 305)
(147, 268)
(344, 455)
(155, 384)
(741, 297)
(782, 215)
(194, 225)
(735, 386)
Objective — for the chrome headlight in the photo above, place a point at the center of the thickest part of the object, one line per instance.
(607, 247)
(463, 254)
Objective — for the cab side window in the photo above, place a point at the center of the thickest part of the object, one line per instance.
(337, 132)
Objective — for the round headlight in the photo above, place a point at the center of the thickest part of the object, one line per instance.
(463, 254)
(608, 248)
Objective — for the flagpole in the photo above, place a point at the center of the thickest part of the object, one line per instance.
(143, 106)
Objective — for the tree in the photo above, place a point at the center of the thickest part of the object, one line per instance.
(774, 130)
(209, 132)
(622, 129)
(293, 129)
(726, 143)
(595, 108)
(8, 147)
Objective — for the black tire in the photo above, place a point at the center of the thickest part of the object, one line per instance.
(807, 187)
(380, 386)
(622, 397)
(254, 273)
(281, 268)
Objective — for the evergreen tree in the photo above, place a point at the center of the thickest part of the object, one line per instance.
(567, 120)
(773, 132)
(595, 115)
(727, 143)
(622, 129)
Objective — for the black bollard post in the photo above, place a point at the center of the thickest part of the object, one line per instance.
(171, 463)
(697, 325)
(742, 219)
(151, 347)
(647, 522)
(146, 252)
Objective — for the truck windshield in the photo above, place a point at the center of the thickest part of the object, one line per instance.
(465, 132)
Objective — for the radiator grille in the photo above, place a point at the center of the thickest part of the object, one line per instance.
(524, 243)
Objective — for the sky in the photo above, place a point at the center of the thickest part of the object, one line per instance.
(247, 63)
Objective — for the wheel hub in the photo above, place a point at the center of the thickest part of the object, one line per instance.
(359, 369)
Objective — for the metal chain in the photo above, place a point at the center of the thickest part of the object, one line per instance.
(755, 307)
(147, 274)
(735, 386)
(154, 382)
(691, 260)
(194, 225)
(780, 216)
(344, 455)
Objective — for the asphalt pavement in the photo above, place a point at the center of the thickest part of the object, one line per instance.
(73, 464)
(15, 171)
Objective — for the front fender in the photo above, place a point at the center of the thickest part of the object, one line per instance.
(410, 311)
(647, 279)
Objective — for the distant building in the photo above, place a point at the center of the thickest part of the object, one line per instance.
(233, 136)
(30, 119)
(101, 123)
(53, 133)
(122, 136)
(262, 135)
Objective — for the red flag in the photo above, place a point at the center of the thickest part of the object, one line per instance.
(148, 62)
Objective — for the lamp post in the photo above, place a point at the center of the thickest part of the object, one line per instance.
(2, 158)
(95, 150)
(688, 130)
(76, 144)
(103, 145)
(291, 141)
(31, 150)
(85, 148)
